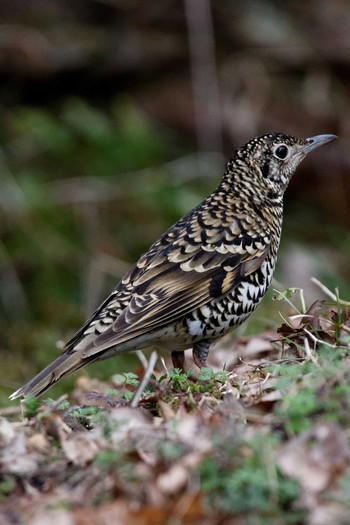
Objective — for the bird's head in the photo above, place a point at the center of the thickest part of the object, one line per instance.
(274, 157)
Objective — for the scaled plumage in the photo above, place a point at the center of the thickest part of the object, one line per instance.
(204, 276)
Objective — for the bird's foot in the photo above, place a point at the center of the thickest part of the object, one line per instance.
(200, 353)
(178, 359)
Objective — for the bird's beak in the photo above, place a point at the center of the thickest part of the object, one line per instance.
(316, 142)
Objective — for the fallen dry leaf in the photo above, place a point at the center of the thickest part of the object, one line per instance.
(328, 513)
(173, 480)
(7, 432)
(79, 448)
(16, 459)
(39, 443)
(53, 517)
(316, 459)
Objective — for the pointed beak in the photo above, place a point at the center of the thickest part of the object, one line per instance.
(316, 142)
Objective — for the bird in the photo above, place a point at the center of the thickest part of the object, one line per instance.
(204, 276)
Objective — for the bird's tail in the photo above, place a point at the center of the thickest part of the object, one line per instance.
(63, 365)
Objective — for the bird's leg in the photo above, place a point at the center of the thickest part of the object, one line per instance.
(178, 359)
(200, 353)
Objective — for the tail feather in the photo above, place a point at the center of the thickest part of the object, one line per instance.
(63, 365)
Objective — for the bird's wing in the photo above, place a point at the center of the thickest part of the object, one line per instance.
(185, 276)
(119, 299)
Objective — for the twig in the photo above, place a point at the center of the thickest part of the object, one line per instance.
(142, 358)
(284, 298)
(324, 288)
(10, 411)
(145, 379)
(333, 296)
(162, 360)
(318, 341)
(308, 351)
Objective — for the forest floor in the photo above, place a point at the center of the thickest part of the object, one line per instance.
(266, 440)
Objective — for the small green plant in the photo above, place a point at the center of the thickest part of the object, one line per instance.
(31, 406)
(248, 481)
(127, 378)
(180, 381)
(287, 294)
(311, 390)
(206, 374)
(85, 414)
(180, 388)
(108, 459)
(207, 381)
(124, 382)
(62, 406)
(7, 484)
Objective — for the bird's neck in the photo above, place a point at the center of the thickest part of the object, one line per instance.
(241, 181)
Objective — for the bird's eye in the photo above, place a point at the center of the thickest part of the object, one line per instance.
(281, 152)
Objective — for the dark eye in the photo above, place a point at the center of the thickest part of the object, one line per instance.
(281, 152)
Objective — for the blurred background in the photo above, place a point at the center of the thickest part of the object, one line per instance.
(117, 117)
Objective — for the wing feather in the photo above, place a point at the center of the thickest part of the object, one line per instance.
(175, 290)
(202, 257)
